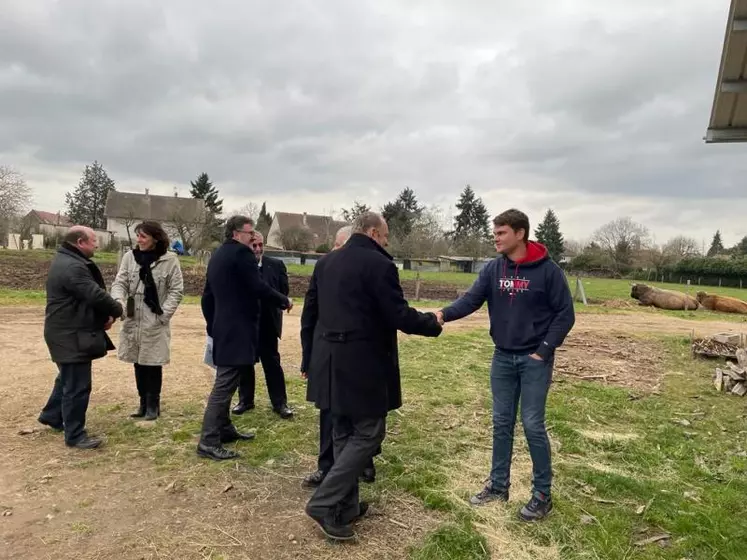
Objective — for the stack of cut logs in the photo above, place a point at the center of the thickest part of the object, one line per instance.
(733, 377)
(722, 345)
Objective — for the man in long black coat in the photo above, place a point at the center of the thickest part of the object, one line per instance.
(326, 457)
(79, 312)
(274, 272)
(354, 370)
(231, 306)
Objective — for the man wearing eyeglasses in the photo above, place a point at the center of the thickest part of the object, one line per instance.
(231, 307)
(274, 273)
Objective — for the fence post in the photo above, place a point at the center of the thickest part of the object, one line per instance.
(719, 282)
(740, 283)
(417, 286)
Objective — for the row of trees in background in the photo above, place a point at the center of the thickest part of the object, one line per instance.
(619, 248)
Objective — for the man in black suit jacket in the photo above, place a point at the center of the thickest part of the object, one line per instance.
(273, 272)
(230, 305)
(357, 298)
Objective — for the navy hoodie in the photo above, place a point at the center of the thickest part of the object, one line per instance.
(529, 303)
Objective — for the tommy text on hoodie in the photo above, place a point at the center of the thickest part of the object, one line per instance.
(529, 303)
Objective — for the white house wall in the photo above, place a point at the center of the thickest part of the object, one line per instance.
(273, 236)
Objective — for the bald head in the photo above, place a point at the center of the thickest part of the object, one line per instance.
(83, 238)
(372, 225)
(342, 236)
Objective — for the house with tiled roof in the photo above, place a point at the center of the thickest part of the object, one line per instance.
(316, 230)
(49, 224)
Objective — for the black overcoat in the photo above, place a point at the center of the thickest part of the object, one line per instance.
(356, 305)
(78, 307)
(231, 304)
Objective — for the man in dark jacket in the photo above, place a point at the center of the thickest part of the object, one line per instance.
(79, 311)
(231, 305)
(326, 456)
(354, 369)
(531, 312)
(273, 272)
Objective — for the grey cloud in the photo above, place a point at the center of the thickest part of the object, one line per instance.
(343, 94)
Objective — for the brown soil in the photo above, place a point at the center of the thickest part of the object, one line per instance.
(22, 272)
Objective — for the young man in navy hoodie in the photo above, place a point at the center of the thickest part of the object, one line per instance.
(531, 312)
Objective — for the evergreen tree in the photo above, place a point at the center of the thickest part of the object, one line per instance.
(717, 245)
(203, 188)
(741, 247)
(473, 220)
(264, 220)
(87, 203)
(548, 233)
(402, 213)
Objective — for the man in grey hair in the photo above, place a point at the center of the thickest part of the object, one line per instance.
(326, 456)
(356, 299)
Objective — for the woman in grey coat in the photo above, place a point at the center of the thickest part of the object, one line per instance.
(149, 286)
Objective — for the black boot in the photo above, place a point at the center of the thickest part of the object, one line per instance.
(152, 407)
(140, 382)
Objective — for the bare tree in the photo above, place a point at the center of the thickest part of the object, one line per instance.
(297, 238)
(249, 210)
(426, 238)
(621, 239)
(191, 229)
(681, 247)
(15, 198)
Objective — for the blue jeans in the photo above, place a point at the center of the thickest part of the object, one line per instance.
(514, 378)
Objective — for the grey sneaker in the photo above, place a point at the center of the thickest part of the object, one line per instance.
(487, 495)
(538, 507)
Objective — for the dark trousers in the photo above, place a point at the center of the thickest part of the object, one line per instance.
(149, 380)
(68, 403)
(356, 442)
(514, 379)
(274, 375)
(217, 420)
(326, 444)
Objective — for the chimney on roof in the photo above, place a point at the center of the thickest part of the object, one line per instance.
(304, 220)
(176, 193)
(147, 191)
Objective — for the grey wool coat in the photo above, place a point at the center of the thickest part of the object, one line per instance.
(145, 339)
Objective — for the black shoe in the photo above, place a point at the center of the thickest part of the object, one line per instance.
(487, 495)
(283, 411)
(86, 443)
(334, 530)
(314, 479)
(241, 408)
(368, 475)
(235, 435)
(152, 407)
(538, 507)
(56, 427)
(217, 453)
(141, 409)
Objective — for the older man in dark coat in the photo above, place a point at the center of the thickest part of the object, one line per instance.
(231, 306)
(79, 311)
(354, 369)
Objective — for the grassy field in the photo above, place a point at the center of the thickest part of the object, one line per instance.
(626, 469)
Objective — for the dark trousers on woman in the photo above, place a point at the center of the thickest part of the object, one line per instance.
(149, 380)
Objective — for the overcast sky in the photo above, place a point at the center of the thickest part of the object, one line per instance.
(594, 108)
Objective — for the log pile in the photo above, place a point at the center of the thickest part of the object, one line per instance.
(723, 345)
(733, 377)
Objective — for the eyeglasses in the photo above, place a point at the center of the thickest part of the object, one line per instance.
(258, 245)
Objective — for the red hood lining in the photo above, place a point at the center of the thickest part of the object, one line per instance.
(535, 252)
